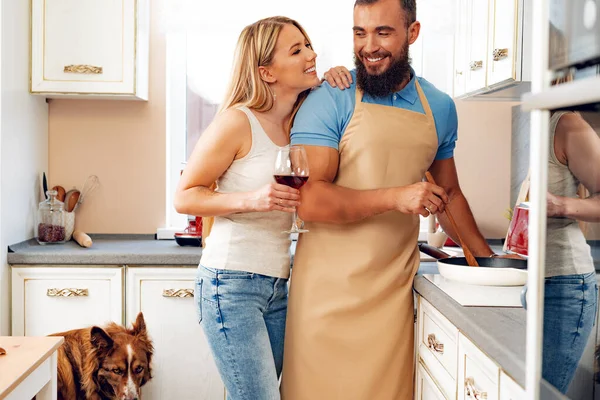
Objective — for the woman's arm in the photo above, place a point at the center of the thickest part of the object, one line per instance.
(227, 138)
(577, 145)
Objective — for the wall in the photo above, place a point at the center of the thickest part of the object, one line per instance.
(123, 143)
(23, 142)
(483, 154)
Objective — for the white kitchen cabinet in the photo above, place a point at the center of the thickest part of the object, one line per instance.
(51, 299)
(509, 389)
(183, 367)
(502, 45)
(475, 64)
(449, 366)
(426, 389)
(96, 49)
(437, 343)
(461, 40)
(477, 374)
(490, 39)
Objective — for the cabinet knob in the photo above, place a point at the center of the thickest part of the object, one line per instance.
(458, 72)
(499, 54)
(67, 292)
(178, 293)
(434, 345)
(475, 65)
(82, 69)
(473, 393)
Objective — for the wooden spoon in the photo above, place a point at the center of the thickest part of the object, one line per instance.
(472, 261)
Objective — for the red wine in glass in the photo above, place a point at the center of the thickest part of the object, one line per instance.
(291, 169)
(292, 181)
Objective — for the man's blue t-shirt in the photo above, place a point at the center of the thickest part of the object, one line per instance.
(325, 114)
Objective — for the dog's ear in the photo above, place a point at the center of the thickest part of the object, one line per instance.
(100, 339)
(139, 326)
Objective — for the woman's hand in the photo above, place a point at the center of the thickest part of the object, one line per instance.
(555, 206)
(338, 77)
(275, 197)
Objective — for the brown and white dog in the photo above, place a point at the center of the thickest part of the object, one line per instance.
(104, 364)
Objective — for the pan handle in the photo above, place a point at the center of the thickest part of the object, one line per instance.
(433, 251)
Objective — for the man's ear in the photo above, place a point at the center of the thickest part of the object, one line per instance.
(266, 75)
(413, 32)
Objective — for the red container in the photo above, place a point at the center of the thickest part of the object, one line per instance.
(517, 240)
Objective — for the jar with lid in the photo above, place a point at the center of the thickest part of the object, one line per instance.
(51, 220)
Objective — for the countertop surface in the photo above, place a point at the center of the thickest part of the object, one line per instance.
(106, 250)
(122, 249)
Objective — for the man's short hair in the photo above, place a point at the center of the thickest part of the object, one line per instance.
(409, 7)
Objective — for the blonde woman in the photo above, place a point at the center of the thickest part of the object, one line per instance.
(241, 290)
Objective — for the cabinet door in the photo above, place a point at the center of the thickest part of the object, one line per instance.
(438, 25)
(477, 11)
(503, 41)
(425, 387)
(56, 299)
(461, 45)
(89, 47)
(509, 389)
(477, 374)
(183, 367)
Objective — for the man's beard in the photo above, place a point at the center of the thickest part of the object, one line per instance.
(387, 82)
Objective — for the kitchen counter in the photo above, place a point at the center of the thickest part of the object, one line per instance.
(106, 250)
(498, 331)
(119, 249)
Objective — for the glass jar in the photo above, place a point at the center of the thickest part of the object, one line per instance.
(51, 220)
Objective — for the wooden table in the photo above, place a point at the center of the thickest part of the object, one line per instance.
(29, 367)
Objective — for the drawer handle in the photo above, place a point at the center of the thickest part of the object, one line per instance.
(82, 69)
(499, 54)
(472, 392)
(475, 65)
(434, 345)
(67, 292)
(182, 293)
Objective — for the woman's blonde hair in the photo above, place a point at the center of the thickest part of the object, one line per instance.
(255, 48)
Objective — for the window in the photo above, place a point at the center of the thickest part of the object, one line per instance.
(201, 39)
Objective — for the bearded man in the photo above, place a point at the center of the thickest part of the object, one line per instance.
(350, 317)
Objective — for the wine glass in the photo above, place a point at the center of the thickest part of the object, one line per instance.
(291, 169)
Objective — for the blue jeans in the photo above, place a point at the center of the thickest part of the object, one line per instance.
(243, 316)
(570, 304)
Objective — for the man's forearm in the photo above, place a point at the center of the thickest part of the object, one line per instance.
(459, 207)
(326, 202)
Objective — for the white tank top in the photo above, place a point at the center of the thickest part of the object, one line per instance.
(567, 251)
(254, 241)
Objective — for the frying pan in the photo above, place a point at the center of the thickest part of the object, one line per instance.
(491, 271)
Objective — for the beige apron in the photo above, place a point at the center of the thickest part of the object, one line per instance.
(350, 316)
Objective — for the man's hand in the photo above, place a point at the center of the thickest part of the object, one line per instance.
(421, 198)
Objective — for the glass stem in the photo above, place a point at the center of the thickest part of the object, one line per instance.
(295, 221)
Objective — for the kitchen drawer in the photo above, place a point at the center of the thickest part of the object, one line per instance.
(53, 299)
(426, 388)
(477, 375)
(509, 389)
(437, 337)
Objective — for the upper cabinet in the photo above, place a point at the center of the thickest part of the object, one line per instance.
(490, 39)
(96, 49)
(473, 47)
